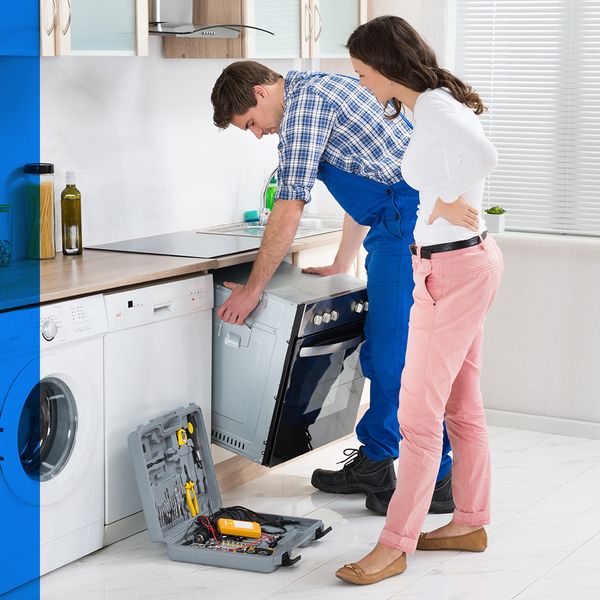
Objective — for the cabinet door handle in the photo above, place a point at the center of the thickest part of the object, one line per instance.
(49, 31)
(308, 15)
(64, 31)
(318, 12)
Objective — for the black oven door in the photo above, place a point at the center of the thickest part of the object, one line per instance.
(320, 395)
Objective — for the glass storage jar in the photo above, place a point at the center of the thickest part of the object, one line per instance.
(5, 235)
(40, 183)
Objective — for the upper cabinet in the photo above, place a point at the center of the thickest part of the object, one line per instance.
(302, 28)
(333, 22)
(91, 27)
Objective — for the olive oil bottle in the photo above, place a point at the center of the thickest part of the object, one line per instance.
(70, 207)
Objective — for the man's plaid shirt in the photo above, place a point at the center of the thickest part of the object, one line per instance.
(331, 118)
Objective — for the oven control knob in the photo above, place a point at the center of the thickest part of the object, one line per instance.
(358, 307)
(366, 306)
(334, 315)
(318, 319)
(326, 317)
(49, 330)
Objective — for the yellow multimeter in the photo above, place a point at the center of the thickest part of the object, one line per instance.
(248, 529)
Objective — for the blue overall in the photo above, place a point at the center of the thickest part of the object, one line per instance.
(391, 212)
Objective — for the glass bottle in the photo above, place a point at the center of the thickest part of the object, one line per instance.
(70, 208)
(5, 235)
(40, 183)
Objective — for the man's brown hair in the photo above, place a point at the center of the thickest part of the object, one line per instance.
(233, 92)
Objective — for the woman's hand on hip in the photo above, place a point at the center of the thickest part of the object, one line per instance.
(459, 212)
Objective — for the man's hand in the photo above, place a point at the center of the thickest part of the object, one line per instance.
(239, 305)
(459, 212)
(277, 239)
(323, 271)
(352, 236)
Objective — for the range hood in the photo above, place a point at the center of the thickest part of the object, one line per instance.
(175, 17)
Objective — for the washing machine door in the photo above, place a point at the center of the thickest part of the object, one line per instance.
(45, 432)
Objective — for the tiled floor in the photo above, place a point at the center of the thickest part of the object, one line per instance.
(544, 539)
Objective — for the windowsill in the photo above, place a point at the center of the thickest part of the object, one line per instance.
(514, 238)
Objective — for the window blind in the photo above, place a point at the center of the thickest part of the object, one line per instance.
(536, 63)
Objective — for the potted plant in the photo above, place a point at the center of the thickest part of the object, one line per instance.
(494, 219)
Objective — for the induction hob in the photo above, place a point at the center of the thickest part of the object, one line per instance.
(192, 244)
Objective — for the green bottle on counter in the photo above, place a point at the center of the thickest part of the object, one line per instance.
(70, 208)
(270, 192)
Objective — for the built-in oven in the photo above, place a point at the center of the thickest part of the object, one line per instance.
(289, 380)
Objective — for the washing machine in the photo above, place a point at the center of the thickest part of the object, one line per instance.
(51, 436)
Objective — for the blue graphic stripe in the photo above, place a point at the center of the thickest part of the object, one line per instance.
(19, 287)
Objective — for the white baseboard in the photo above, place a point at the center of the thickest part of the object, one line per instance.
(582, 429)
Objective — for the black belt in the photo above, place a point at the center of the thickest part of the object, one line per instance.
(427, 251)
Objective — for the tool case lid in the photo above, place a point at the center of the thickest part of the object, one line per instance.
(162, 464)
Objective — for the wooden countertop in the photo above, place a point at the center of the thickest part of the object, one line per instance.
(97, 271)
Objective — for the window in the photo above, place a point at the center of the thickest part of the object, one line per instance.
(536, 64)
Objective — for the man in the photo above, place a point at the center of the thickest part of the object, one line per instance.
(331, 128)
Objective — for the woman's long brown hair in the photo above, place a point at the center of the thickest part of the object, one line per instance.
(394, 48)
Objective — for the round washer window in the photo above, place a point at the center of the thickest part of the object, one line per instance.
(47, 429)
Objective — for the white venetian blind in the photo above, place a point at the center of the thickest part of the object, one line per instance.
(536, 64)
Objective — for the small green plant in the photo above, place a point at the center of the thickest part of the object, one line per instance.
(495, 210)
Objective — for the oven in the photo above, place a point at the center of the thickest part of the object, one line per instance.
(289, 380)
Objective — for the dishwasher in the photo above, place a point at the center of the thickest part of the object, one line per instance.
(157, 356)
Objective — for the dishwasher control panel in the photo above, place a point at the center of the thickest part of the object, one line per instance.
(158, 302)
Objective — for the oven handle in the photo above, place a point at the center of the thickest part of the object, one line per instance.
(330, 348)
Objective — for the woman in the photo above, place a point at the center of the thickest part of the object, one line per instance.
(456, 276)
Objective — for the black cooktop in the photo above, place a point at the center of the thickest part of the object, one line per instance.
(191, 244)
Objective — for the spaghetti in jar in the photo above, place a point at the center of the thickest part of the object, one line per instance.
(40, 183)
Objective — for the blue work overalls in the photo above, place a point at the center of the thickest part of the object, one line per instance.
(391, 212)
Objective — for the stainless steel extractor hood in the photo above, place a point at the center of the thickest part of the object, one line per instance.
(175, 17)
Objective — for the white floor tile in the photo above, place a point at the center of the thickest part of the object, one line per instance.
(544, 538)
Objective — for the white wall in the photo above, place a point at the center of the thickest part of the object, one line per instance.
(138, 131)
(542, 341)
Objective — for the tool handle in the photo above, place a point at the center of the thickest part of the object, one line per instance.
(190, 498)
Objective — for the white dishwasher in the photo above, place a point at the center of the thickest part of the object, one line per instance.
(157, 356)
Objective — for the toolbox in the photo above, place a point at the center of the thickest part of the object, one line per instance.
(181, 502)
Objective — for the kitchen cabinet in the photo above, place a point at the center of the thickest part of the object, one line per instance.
(303, 29)
(89, 27)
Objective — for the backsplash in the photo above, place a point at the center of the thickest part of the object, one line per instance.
(139, 134)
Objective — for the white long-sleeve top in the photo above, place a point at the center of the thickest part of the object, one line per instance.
(448, 155)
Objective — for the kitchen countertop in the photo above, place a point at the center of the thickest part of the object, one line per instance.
(96, 271)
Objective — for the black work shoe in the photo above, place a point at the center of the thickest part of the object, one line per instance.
(440, 503)
(359, 474)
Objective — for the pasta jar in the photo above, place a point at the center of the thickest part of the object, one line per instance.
(40, 183)
(5, 235)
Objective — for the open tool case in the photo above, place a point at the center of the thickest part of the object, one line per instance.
(172, 463)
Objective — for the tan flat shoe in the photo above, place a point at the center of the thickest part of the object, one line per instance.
(352, 573)
(476, 541)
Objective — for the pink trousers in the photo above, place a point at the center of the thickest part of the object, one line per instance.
(441, 378)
